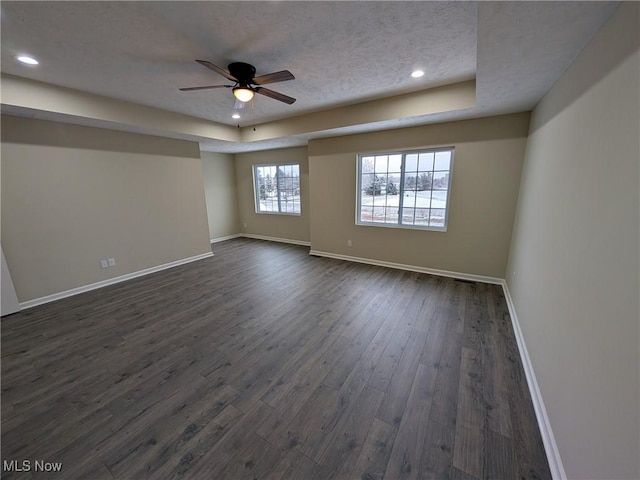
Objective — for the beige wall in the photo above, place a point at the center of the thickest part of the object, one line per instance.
(290, 227)
(45, 97)
(446, 98)
(488, 158)
(574, 263)
(221, 194)
(73, 195)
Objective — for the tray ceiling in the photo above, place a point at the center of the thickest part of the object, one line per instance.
(341, 53)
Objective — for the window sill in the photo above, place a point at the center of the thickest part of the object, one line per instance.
(401, 227)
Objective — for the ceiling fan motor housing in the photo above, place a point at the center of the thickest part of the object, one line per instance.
(242, 71)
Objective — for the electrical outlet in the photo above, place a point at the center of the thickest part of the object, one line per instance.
(111, 262)
(349, 243)
(104, 264)
(245, 224)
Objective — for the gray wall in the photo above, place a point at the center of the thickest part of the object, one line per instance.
(574, 263)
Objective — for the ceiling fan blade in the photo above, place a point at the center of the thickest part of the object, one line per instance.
(275, 95)
(217, 69)
(208, 87)
(274, 77)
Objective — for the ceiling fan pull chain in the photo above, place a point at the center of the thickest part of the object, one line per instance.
(253, 111)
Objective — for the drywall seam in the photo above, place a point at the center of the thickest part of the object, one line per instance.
(110, 281)
(549, 441)
(411, 268)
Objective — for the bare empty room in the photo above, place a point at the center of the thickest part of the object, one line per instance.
(320, 240)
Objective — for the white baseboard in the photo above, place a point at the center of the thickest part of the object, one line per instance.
(411, 268)
(110, 281)
(222, 239)
(275, 239)
(550, 446)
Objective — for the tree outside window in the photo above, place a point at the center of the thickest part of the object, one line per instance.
(277, 188)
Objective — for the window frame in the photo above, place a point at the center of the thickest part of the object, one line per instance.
(256, 188)
(401, 188)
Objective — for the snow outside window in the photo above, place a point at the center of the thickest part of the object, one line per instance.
(405, 189)
(277, 188)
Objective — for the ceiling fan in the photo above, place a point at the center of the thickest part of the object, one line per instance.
(246, 84)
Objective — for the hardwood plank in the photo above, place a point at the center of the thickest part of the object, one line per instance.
(229, 452)
(286, 432)
(532, 460)
(445, 395)
(132, 442)
(333, 414)
(60, 417)
(437, 455)
(295, 384)
(293, 464)
(457, 474)
(265, 362)
(406, 454)
(302, 467)
(395, 399)
(500, 458)
(443, 311)
(254, 459)
(496, 383)
(375, 453)
(390, 358)
(183, 423)
(189, 451)
(350, 355)
(344, 443)
(395, 333)
(470, 416)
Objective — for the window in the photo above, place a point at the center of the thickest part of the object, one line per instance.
(405, 189)
(277, 188)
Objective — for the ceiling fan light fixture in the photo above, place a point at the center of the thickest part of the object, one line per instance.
(242, 93)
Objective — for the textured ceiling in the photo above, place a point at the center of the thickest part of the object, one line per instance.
(341, 53)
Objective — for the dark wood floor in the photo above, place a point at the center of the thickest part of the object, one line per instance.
(264, 362)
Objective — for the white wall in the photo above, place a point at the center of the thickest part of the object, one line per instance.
(574, 259)
(221, 194)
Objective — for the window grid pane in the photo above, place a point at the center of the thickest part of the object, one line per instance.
(277, 188)
(379, 188)
(415, 183)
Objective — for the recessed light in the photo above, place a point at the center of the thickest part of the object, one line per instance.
(235, 115)
(26, 59)
(417, 73)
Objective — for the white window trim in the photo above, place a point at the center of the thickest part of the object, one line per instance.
(256, 189)
(403, 153)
